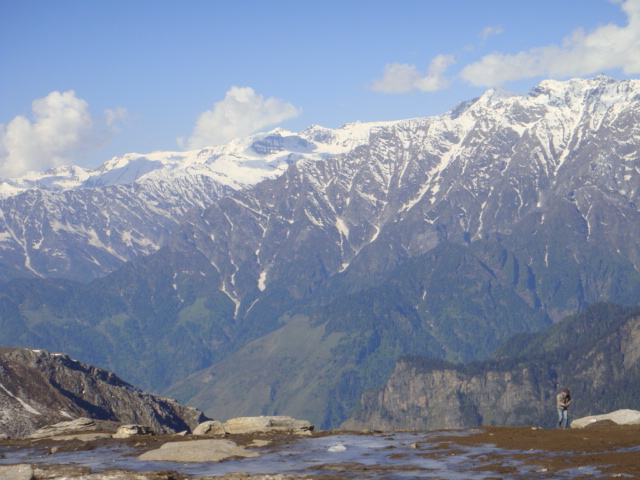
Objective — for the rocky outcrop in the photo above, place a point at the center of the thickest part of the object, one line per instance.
(619, 417)
(73, 428)
(38, 388)
(266, 424)
(251, 425)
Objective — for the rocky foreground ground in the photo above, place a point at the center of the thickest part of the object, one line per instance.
(603, 450)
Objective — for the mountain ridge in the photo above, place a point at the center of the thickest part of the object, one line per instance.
(39, 388)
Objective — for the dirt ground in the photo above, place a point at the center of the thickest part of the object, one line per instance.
(612, 450)
(601, 445)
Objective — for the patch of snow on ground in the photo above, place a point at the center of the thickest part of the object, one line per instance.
(261, 281)
(25, 405)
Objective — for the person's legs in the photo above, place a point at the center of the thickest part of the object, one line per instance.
(565, 420)
(560, 415)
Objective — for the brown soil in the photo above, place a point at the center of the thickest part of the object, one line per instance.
(602, 446)
(552, 450)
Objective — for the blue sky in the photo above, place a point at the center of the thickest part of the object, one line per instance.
(83, 81)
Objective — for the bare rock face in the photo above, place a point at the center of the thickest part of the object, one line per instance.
(38, 388)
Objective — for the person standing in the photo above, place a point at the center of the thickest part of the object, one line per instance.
(563, 400)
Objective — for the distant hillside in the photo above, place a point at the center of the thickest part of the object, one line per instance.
(596, 354)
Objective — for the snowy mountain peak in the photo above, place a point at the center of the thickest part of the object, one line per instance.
(495, 96)
(239, 163)
(602, 89)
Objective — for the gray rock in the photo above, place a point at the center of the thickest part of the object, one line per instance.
(126, 431)
(16, 472)
(266, 424)
(197, 451)
(619, 417)
(211, 427)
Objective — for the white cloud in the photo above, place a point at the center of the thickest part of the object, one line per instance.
(404, 78)
(62, 130)
(397, 78)
(605, 48)
(241, 113)
(490, 31)
(120, 114)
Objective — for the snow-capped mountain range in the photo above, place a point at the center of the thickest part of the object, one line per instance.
(337, 252)
(73, 222)
(77, 223)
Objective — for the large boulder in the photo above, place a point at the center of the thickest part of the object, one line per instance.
(267, 424)
(20, 471)
(619, 417)
(211, 427)
(197, 451)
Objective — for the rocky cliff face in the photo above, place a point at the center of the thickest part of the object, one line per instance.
(598, 362)
(425, 397)
(38, 388)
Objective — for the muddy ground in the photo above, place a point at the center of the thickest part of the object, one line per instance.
(611, 451)
(601, 445)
